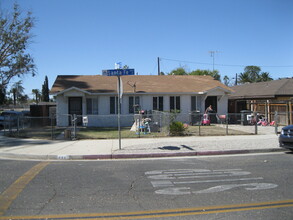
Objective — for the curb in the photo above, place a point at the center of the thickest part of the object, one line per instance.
(135, 156)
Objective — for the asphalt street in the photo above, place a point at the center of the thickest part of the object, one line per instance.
(254, 186)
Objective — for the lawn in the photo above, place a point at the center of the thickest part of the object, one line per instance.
(112, 133)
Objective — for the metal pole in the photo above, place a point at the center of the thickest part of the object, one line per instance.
(119, 102)
(159, 71)
(256, 120)
(227, 129)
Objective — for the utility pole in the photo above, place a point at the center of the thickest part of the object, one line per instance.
(213, 56)
(159, 71)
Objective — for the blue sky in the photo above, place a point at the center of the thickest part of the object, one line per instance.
(87, 36)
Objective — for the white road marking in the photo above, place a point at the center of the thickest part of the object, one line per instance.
(169, 179)
(215, 181)
(256, 186)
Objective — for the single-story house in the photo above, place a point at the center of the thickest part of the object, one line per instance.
(96, 96)
(264, 97)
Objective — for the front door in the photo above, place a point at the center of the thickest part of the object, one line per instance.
(75, 107)
(212, 100)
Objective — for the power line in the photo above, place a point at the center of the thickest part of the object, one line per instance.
(214, 64)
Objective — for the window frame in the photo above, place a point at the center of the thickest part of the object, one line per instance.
(92, 106)
(193, 104)
(135, 100)
(116, 102)
(158, 103)
(175, 104)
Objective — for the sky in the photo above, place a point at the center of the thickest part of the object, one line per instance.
(84, 37)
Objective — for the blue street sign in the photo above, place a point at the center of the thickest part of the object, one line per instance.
(118, 72)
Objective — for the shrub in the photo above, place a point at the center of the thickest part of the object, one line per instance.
(177, 128)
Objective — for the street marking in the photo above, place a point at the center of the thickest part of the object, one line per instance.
(11, 193)
(187, 190)
(256, 186)
(163, 213)
(168, 181)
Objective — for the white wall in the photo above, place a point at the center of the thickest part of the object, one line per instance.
(61, 110)
(105, 119)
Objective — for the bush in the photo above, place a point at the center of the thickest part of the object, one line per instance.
(177, 128)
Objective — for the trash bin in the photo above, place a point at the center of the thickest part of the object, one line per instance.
(195, 118)
(244, 114)
(67, 134)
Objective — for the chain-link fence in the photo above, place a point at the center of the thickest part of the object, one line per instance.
(148, 124)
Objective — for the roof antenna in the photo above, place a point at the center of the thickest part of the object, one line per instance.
(133, 86)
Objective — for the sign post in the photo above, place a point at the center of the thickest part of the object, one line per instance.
(118, 73)
(119, 107)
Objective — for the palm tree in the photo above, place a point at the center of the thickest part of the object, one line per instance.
(17, 90)
(244, 78)
(37, 94)
(265, 76)
(226, 80)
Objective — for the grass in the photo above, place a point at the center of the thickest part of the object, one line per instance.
(112, 133)
(37, 133)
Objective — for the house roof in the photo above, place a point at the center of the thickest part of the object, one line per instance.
(270, 89)
(137, 84)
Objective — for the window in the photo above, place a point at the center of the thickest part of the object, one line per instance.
(92, 106)
(193, 103)
(158, 103)
(174, 103)
(114, 105)
(134, 104)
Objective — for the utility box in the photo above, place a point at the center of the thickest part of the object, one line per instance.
(245, 115)
(67, 134)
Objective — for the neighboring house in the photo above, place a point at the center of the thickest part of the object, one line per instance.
(95, 96)
(264, 97)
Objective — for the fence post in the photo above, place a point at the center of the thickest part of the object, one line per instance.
(199, 129)
(256, 120)
(18, 125)
(74, 128)
(52, 132)
(276, 122)
(227, 130)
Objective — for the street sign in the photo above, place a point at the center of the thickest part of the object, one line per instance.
(118, 72)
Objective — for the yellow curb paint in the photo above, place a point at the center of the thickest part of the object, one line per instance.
(164, 213)
(11, 193)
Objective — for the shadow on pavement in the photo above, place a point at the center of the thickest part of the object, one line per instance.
(15, 142)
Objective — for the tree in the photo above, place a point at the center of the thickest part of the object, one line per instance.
(244, 78)
(181, 71)
(15, 36)
(226, 80)
(265, 76)
(2, 96)
(215, 73)
(252, 74)
(178, 71)
(37, 94)
(17, 91)
(45, 90)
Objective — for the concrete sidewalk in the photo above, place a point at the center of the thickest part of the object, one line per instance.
(136, 148)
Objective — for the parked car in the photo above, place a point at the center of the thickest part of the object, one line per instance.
(9, 118)
(286, 137)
